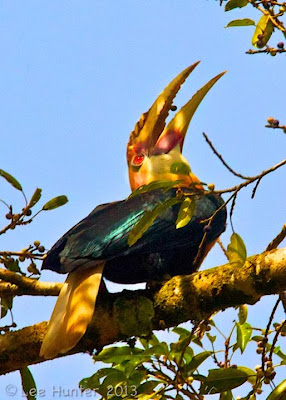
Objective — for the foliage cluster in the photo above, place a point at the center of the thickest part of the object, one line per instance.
(271, 19)
(156, 370)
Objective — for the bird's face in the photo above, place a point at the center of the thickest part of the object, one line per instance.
(154, 152)
(171, 166)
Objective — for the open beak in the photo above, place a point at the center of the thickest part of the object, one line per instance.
(150, 136)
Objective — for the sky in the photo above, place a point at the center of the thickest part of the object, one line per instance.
(76, 76)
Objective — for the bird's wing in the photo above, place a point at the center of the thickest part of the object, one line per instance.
(103, 234)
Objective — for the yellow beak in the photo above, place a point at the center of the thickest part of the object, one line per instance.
(150, 136)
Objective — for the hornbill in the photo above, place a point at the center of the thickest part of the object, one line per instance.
(100, 244)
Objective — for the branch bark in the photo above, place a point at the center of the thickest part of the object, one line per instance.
(182, 298)
(13, 284)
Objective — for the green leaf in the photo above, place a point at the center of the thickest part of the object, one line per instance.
(166, 185)
(181, 346)
(146, 343)
(109, 383)
(6, 304)
(185, 333)
(180, 168)
(28, 383)
(117, 354)
(231, 4)
(137, 377)
(257, 338)
(200, 378)
(147, 388)
(103, 372)
(197, 360)
(240, 22)
(197, 341)
(157, 350)
(9, 178)
(222, 380)
(153, 340)
(55, 203)
(236, 251)
(243, 335)
(226, 395)
(264, 28)
(109, 374)
(12, 265)
(154, 395)
(211, 338)
(148, 218)
(186, 212)
(91, 383)
(279, 392)
(252, 376)
(182, 332)
(188, 354)
(36, 197)
(3, 309)
(132, 365)
(279, 353)
(242, 313)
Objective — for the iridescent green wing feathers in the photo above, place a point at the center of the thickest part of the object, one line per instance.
(103, 235)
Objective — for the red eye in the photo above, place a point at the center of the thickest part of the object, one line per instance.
(137, 160)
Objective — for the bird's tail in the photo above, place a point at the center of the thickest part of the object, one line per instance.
(73, 311)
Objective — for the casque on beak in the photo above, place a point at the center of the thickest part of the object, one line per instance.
(151, 138)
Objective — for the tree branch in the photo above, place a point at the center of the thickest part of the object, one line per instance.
(136, 313)
(252, 179)
(277, 240)
(18, 285)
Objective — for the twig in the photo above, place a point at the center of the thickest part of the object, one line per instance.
(25, 197)
(222, 160)
(214, 357)
(222, 247)
(255, 188)
(267, 51)
(266, 334)
(232, 209)
(283, 127)
(276, 338)
(277, 240)
(235, 190)
(6, 204)
(186, 345)
(251, 179)
(227, 347)
(26, 254)
(209, 220)
(15, 223)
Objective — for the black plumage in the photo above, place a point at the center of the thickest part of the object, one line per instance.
(163, 249)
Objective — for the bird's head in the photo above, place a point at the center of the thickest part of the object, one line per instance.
(154, 152)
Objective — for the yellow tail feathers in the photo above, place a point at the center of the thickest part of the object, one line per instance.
(73, 311)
